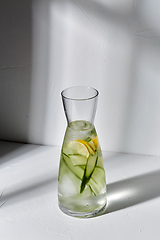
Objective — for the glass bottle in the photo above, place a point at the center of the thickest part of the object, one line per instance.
(81, 180)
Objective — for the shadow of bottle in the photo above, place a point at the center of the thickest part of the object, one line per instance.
(132, 191)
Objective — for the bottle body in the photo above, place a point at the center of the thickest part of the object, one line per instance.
(81, 182)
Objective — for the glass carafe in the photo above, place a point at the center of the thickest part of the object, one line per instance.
(81, 180)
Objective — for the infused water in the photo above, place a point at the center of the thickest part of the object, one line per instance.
(81, 181)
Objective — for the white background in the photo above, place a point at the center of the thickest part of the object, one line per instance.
(114, 46)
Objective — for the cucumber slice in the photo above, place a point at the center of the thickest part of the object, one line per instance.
(90, 175)
(88, 139)
(63, 168)
(78, 159)
(78, 171)
(100, 161)
(84, 181)
(91, 163)
(97, 182)
(88, 171)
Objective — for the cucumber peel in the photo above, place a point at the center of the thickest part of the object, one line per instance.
(88, 171)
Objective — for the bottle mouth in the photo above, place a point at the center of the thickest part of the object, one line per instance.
(79, 93)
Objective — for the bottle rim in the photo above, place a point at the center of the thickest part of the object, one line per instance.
(92, 95)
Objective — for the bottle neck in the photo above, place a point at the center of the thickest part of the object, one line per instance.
(80, 110)
(80, 103)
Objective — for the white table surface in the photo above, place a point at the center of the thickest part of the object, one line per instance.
(28, 197)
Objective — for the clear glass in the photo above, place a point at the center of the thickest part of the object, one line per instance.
(81, 180)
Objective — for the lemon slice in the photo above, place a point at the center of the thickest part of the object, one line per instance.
(95, 141)
(90, 147)
(77, 147)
